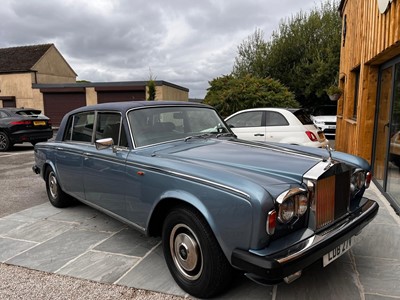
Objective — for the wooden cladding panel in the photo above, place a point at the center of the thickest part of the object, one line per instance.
(369, 30)
(372, 38)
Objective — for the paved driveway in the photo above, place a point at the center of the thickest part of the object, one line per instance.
(84, 243)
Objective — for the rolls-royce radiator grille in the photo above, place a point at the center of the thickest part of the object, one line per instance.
(331, 198)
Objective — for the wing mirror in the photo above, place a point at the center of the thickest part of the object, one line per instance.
(104, 144)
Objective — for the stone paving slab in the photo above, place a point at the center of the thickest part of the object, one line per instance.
(128, 242)
(82, 242)
(99, 266)
(55, 253)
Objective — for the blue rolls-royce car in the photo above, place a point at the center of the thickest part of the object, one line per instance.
(176, 170)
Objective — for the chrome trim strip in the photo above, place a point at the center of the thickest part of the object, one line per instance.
(279, 149)
(315, 172)
(192, 178)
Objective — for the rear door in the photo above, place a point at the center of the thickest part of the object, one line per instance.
(69, 155)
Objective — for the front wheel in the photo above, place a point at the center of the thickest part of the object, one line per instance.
(193, 254)
(56, 195)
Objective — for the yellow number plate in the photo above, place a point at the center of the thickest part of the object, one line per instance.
(38, 123)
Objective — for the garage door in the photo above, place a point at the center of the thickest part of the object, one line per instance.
(57, 104)
(8, 101)
(120, 93)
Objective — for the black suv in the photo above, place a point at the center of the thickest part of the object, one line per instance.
(19, 125)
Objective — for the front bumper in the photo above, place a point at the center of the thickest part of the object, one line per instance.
(272, 269)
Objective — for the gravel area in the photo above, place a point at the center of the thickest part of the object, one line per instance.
(21, 283)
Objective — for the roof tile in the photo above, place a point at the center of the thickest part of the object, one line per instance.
(21, 59)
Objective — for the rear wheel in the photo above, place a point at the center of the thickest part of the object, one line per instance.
(193, 254)
(4, 142)
(56, 195)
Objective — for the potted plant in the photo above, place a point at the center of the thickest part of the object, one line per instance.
(334, 92)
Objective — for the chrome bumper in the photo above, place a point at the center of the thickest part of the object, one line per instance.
(271, 269)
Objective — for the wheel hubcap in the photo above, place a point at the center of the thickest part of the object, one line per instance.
(53, 185)
(186, 252)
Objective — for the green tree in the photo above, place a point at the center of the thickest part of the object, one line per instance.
(252, 56)
(303, 54)
(151, 87)
(229, 94)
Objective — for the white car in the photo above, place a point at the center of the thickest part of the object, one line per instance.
(324, 117)
(291, 126)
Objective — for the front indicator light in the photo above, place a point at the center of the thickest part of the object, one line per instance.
(368, 179)
(271, 222)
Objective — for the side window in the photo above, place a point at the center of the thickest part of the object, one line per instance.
(273, 118)
(3, 114)
(80, 127)
(109, 126)
(246, 119)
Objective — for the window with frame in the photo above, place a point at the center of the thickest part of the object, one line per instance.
(80, 127)
(109, 125)
(356, 74)
(246, 119)
(273, 118)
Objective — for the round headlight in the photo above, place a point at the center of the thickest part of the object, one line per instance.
(357, 181)
(302, 204)
(286, 210)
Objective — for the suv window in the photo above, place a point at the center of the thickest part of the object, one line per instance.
(326, 110)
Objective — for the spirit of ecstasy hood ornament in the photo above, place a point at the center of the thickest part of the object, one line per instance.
(329, 160)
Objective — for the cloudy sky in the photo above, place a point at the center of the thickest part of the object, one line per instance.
(185, 42)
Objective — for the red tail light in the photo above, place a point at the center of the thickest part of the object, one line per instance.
(311, 136)
(21, 123)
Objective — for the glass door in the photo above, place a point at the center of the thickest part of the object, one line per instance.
(382, 128)
(393, 173)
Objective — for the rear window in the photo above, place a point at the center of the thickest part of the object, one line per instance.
(32, 112)
(303, 117)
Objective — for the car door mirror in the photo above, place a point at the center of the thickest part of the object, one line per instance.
(104, 143)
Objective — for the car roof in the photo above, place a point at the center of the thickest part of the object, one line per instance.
(127, 105)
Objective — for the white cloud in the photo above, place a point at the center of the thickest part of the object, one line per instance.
(185, 42)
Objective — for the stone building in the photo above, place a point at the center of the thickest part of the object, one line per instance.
(38, 76)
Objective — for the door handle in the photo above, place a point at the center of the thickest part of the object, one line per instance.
(259, 134)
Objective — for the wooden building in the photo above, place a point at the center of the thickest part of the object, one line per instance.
(368, 121)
